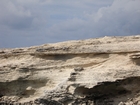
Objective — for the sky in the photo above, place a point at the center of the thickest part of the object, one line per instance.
(25, 23)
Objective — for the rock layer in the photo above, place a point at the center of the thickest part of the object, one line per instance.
(101, 71)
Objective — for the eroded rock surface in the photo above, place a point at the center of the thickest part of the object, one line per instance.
(102, 71)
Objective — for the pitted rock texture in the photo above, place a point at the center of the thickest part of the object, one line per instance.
(101, 71)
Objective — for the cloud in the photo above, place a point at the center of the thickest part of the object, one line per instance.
(120, 18)
(32, 22)
(14, 16)
(22, 14)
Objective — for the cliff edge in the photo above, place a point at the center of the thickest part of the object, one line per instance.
(101, 71)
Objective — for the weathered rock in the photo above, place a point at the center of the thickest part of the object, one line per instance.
(103, 71)
(78, 68)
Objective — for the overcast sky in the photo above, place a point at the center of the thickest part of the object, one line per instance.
(33, 22)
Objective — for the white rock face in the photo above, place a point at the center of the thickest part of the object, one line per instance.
(103, 71)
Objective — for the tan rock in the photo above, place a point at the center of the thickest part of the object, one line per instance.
(102, 70)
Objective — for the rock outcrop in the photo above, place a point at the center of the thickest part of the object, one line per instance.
(101, 71)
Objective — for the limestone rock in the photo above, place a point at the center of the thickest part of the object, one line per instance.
(101, 71)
